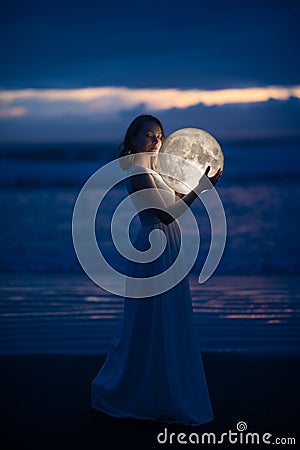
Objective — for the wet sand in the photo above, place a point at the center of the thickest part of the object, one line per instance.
(68, 314)
(45, 403)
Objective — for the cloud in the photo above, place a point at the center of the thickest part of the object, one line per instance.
(113, 100)
(231, 121)
(12, 112)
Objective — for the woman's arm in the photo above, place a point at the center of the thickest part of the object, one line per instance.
(149, 196)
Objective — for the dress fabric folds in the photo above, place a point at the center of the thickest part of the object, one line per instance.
(153, 369)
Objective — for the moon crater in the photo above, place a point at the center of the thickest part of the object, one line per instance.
(197, 149)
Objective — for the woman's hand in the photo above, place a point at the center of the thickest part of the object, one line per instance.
(179, 195)
(214, 179)
(206, 182)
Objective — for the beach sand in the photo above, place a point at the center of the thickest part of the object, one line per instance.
(45, 403)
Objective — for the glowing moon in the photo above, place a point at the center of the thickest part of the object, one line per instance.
(196, 147)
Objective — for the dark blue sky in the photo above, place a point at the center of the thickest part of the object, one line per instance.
(187, 44)
(161, 44)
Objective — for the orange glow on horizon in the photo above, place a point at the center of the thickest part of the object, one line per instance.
(114, 99)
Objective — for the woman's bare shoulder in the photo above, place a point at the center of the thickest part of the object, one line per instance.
(135, 168)
(141, 178)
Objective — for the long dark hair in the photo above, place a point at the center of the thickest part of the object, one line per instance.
(126, 148)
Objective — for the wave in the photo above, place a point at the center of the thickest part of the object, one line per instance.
(262, 230)
(95, 151)
(67, 151)
(67, 265)
(71, 165)
(22, 174)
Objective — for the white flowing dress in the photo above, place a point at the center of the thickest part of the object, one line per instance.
(153, 369)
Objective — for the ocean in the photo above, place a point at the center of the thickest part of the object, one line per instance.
(49, 305)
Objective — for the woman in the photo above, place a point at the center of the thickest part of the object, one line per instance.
(154, 369)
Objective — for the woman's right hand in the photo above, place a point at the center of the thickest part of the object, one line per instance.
(206, 182)
(215, 178)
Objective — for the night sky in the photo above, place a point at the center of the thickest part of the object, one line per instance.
(209, 53)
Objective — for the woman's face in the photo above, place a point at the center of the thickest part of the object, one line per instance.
(148, 139)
